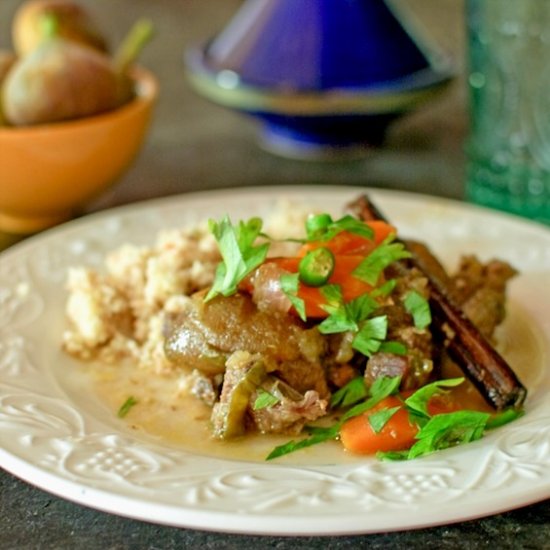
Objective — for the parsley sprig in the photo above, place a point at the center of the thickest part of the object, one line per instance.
(370, 269)
(289, 285)
(357, 316)
(240, 256)
(419, 308)
(344, 316)
(371, 335)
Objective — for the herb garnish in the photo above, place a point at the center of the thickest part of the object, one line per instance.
(371, 335)
(240, 255)
(381, 388)
(289, 285)
(350, 394)
(370, 269)
(344, 316)
(419, 308)
(264, 400)
(396, 348)
(126, 406)
(418, 401)
(380, 418)
(385, 289)
(354, 316)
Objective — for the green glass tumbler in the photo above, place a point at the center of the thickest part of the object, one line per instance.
(508, 149)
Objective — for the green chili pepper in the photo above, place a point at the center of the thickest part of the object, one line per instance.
(317, 225)
(316, 267)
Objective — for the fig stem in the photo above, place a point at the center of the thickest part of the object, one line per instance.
(49, 26)
(130, 48)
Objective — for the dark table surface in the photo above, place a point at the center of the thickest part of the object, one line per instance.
(195, 145)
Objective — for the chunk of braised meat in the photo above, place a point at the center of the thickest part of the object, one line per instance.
(480, 290)
(340, 374)
(290, 412)
(205, 388)
(207, 333)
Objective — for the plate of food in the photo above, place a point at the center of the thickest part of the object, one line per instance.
(289, 360)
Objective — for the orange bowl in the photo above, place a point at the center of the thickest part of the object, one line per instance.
(49, 171)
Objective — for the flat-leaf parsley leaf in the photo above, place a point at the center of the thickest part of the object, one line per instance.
(419, 308)
(240, 256)
(370, 269)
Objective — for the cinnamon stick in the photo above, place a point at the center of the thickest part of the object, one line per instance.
(476, 357)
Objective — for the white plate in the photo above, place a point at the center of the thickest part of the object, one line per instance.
(57, 436)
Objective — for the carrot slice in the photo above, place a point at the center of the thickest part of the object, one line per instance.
(398, 434)
(358, 436)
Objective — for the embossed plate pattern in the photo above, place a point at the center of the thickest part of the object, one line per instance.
(57, 436)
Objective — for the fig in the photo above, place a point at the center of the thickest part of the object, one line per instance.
(74, 23)
(60, 80)
(63, 80)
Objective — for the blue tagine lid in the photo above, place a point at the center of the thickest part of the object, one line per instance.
(321, 75)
